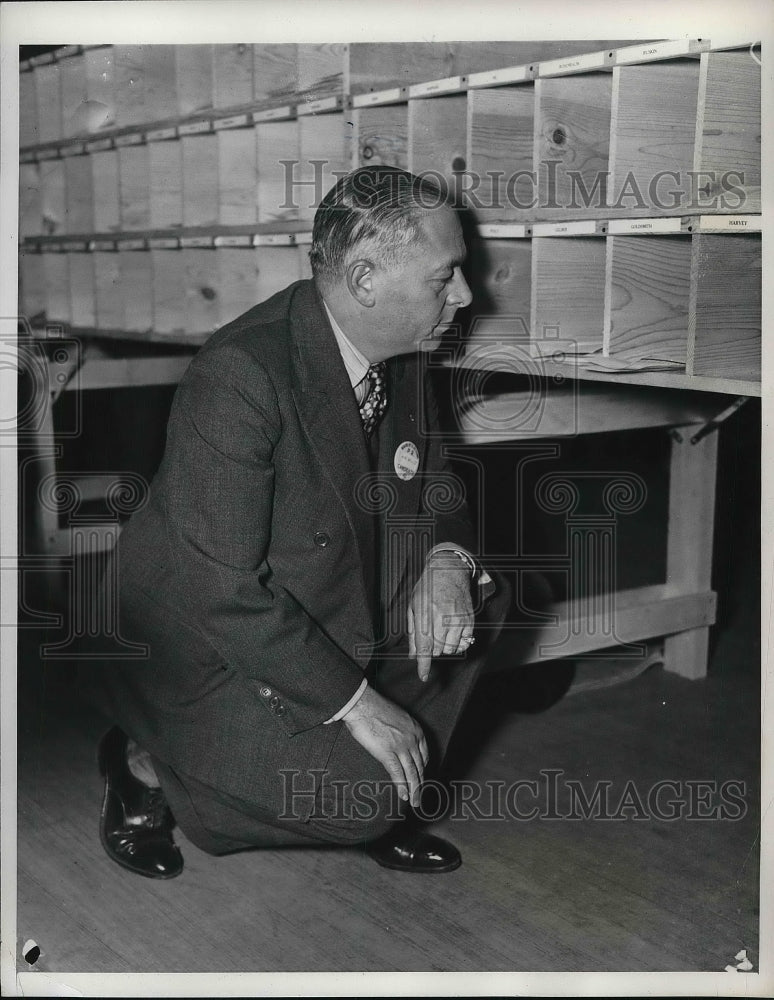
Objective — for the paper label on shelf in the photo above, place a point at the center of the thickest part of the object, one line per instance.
(130, 139)
(273, 239)
(75, 149)
(574, 64)
(133, 244)
(587, 227)
(653, 50)
(303, 239)
(75, 246)
(194, 128)
(102, 245)
(273, 114)
(158, 134)
(316, 107)
(504, 230)
(493, 77)
(197, 241)
(392, 96)
(163, 243)
(97, 145)
(634, 226)
(446, 85)
(233, 121)
(730, 223)
(234, 241)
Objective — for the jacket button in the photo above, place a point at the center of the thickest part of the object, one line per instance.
(265, 691)
(321, 539)
(274, 701)
(280, 710)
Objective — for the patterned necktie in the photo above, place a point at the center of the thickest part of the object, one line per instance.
(375, 403)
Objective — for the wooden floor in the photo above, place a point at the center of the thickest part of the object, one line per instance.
(539, 895)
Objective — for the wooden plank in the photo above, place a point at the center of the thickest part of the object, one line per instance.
(53, 196)
(193, 78)
(568, 294)
(275, 71)
(100, 87)
(728, 139)
(128, 69)
(165, 166)
(381, 65)
(168, 292)
(48, 95)
(653, 129)
(500, 279)
(83, 303)
(108, 289)
(30, 200)
(56, 271)
(327, 140)
(134, 187)
(200, 180)
(724, 327)
(159, 83)
(382, 135)
(304, 266)
(32, 285)
(647, 296)
(232, 73)
(572, 145)
(237, 176)
(137, 290)
(237, 278)
(500, 153)
(28, 110)
(144, 83)
(438, 137)
(321, 69)
(106, 186)
(275, 142)
(692, 478)
(79, 189)
(75, 113)
(200, 305)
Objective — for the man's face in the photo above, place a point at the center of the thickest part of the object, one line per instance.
(416, 299)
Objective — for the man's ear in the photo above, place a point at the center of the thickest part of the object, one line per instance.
(360, 282)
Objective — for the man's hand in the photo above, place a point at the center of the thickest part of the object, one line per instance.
(440, 615)
(391, 736)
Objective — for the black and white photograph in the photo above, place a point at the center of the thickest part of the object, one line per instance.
(384, 513)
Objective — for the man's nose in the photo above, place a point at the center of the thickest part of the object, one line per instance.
(460, 294)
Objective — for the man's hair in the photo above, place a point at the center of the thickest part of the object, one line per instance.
(377, 210)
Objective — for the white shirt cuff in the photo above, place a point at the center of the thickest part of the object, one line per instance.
(350, 704)
(479, 575)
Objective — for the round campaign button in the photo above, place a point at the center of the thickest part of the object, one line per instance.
(406, 460)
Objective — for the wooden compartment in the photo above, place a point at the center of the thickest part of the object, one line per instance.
(56, 277)
(275, 142)
(232, 73)
(32, 285)
(53, 196)
(500, 279)
(200, 180)
(75, 110)
(79, 189)
(568, 294)
(100, 88)
(83, 302)
(134, 187)
(653, 128)
(647, 297)
(30, 203)
(108, 289)
(237, 177)
(724, 331)
(325, 139)
(277, 268)
(144, 83)
(500, 143)
(28, 109)
(193, 78)
(321, 69)
(165, 165)
(48, 97)
(237, 281)
(200, 305)
(275, 71)
(438, 137)
(136, 290)
(169, 315)
(728, 132)
(571, 145)
(304, 265)
(105, 183)
(382, 135)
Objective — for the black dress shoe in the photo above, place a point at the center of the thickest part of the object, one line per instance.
(412, 850)
(136, 822)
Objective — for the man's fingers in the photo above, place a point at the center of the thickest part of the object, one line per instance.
(413, 778)
(410, 632)
(394, 768)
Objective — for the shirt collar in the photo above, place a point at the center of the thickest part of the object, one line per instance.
(356, 365)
